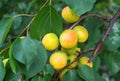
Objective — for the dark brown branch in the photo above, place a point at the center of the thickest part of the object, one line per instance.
(90, 15)
(80, 54)
(100, 43)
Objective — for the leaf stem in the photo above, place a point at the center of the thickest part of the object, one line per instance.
(50, 2)
(30, 15)
(27, 27)
(4, 49)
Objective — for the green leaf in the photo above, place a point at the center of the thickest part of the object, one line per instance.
(96, 63)
(47, 78)
(71, 75)
(37, 78)
(16, 22)
(80, 6)
(113, 39)
(116, 27)
(40, 60)
(19, 24)
(10, 76)
(117, 2)
(5, 25)
(46, 20)
(98, 77)
(117, 76)
(24, 50)
(86, 73)
(49, 70)
(13, 63)
(32, 55)
(2, 70)
(93, 25)
(112, 62)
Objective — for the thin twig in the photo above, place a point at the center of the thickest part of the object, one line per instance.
(4, 49)
(100, 43)
(80, 54)
(21, 77)
(28, 15)
(27, 27)
(44, 4)
(90, 15)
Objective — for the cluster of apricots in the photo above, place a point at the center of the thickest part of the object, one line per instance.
(67, 41)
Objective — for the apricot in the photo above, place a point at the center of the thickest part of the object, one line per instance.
(69, 15)
(50, 41)
(68, 39)
(84, 61)
(58, 60)
(82, 33)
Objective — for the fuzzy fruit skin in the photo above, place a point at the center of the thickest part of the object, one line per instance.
(71, 58)
(69, 15)
(68, 39)
(84, 61)
(82, 33)
(63, 73)
(58, 60)
(50, 41)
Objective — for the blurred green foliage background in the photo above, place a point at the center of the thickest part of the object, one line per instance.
(108, 60)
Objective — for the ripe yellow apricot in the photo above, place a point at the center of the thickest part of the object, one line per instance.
(71, 58)
(58, 60)
(68, 39)
(63, 73)
(84, 61)
(50, 41)
(82, 33)
(69, 15)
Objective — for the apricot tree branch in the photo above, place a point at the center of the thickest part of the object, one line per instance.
(105, 18)
(80, 54)
(100, 43)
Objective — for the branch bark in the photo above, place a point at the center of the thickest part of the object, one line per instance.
(100, 43)
(90, 15)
